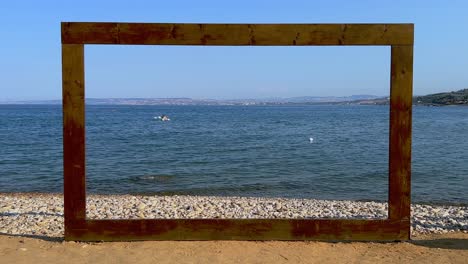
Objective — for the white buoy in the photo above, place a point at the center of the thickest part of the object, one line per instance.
(311, 140)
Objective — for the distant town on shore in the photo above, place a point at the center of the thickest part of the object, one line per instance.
(439, 99)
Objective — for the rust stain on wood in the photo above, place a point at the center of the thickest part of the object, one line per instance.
(76, 34)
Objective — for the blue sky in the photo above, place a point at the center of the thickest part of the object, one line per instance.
(30, 50)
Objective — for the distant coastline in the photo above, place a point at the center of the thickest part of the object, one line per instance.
(191, 101)
(459, 97)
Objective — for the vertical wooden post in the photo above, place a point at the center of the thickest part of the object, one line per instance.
(73, 136)
(401, 95)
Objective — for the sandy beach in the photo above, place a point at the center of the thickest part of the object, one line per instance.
(31, 230)
(441, 248)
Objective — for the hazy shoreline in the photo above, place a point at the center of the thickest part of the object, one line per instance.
(438, 99)
(429, 203)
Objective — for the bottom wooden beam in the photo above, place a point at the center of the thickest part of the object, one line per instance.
(240, 229)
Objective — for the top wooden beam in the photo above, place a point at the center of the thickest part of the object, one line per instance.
(236, 34)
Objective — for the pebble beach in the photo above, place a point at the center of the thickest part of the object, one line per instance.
(42, 214)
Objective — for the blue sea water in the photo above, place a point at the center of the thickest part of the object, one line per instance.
(238, 151)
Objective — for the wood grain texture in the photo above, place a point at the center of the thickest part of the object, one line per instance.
(238, 229)
(397, 227)
(401, 94)
(73, 135)
(236, 34)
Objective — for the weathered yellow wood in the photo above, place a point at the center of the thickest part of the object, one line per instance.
(73, 135)
(236, 34)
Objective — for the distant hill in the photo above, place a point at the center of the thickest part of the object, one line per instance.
(323, 99)
(439, 99)
(190, 101)
(262, 101)
(449, 98)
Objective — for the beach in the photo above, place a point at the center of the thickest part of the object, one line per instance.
(441, 248)
(42, 214)
(31, 229)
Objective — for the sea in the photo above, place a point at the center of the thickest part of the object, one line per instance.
(337, 152)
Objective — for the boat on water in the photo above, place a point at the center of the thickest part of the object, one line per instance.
(162, 118)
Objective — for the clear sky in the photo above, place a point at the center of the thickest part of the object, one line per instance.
(30, 65)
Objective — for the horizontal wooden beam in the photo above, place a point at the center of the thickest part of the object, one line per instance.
(236, 34)
(237, 229)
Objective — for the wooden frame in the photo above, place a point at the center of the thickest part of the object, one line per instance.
(76, 35)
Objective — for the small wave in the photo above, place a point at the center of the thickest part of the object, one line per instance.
(256, 189)
(157, 178)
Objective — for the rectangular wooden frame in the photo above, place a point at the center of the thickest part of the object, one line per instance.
(77, 34)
